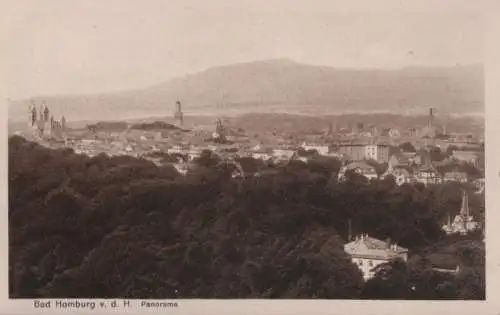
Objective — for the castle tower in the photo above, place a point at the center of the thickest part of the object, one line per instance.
(219, 133)
(330, 131)
(40, 113)
(46, 113)
(178, 116)
(32, 119)
(63, 123)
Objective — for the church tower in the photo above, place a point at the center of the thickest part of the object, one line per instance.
(32, 119)
(63, 123)
(178, 116)
(464, 210)
(46, 113)
(219, 135)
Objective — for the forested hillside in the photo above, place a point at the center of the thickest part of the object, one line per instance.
(122, 227)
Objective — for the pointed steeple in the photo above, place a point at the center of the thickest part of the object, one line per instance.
(33, 113)
(464, 210)
(46, 112)
(178, 115)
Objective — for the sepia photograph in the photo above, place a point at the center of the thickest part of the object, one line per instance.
(326, 150)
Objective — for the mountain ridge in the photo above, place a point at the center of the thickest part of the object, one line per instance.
(283, 85)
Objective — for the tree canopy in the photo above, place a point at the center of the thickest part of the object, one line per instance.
(123, 227)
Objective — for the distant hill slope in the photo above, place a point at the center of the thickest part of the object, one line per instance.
(284, 86)
(156, 125)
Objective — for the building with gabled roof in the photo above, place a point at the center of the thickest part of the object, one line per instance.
(359, 150)
(471, 157)
(367, 253)
(404, 159)
(401, 174)
(427, 174)
(455, 176)
(361, 168)
(321, 149)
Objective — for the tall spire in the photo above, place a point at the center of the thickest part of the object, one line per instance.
(33, 115)
(178, 116)
(430, 122)
(464, 210)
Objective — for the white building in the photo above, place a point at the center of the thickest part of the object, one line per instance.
(361, 168)
(176, 149)
(367, 253)
(427, 174)
(283, 154)
(394, 133)
(455, 176)
(321, 149)
(371, 152)
(402, 175)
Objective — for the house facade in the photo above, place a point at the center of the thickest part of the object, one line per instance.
(262, 154)
(404, 159)
(377, 152)
(401, 174)
(466, 156)
(359, 152)
(355, 152)
(283, 154)
(367, 253)
(427, 174)
(361, 168)
(460, 177)
(321, 149)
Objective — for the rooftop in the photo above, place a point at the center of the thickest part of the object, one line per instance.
(360, 165)
(369, 247)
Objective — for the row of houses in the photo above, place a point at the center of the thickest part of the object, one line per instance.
(405, 167)
(425, 174)
(406, 173)
(381, 152)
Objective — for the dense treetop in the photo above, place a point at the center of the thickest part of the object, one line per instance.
(123, 227)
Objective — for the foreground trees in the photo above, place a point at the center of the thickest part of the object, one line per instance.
(123, 227)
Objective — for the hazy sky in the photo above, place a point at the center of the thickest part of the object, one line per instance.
(69, 46)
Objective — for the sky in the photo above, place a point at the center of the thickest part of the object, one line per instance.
(93, 46)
